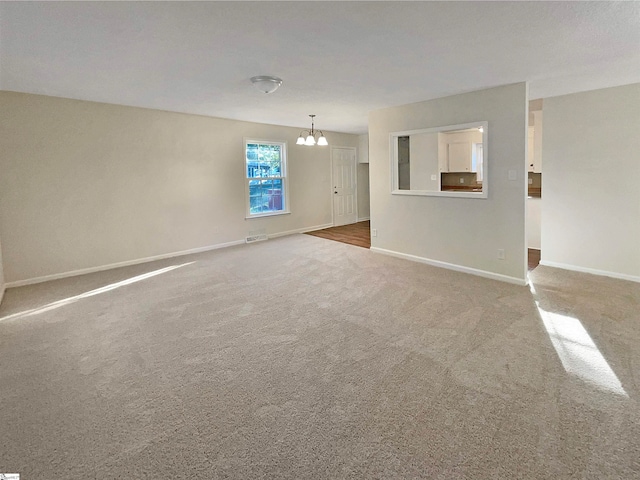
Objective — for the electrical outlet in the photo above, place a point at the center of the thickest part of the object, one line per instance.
(501, 254)
(434, 177)
(374, 232)
(461, 180)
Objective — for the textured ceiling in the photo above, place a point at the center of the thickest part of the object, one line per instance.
(338, 60)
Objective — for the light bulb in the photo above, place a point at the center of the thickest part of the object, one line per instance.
(310, 140)
(322, 141)
(300, 140)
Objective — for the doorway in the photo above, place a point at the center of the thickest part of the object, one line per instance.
(534, 184)
(344, 192)
(358, 234)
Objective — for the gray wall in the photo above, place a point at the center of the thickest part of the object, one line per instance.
(86, 184)
(363, 191)
(591, 181)
(1, 275)
(458, 232)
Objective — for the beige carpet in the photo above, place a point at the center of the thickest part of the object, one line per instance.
(305, 358)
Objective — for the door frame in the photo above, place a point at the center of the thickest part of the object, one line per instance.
(355, 158)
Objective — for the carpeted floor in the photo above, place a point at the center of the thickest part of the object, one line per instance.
(304, 358)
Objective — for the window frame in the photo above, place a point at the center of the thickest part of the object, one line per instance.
(478, 147)
(393, 162)
(284, 178)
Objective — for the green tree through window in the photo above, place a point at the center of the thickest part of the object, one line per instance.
(266, 177)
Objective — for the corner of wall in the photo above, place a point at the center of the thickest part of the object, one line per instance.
(2, 282)
(188, 178)
(457, 233)
(591, 201)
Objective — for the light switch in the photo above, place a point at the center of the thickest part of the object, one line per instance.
(461, 180)
(531, 181)
(434, 177)
(512, 175)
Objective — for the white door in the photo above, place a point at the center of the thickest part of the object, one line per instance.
(344, 186)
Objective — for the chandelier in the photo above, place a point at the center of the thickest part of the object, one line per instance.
(311, 136)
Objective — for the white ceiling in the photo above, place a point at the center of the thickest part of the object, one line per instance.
(338, 60)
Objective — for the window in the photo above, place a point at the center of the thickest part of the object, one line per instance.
(266, 171)
(476, 161)
(433, 161)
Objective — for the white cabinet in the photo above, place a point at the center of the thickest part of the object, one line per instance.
(534, 153)
(537, 141)
(443, 153)
(456, 151)
(530, 149)
(460, 157)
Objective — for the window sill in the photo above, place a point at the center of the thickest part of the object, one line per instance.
(270, 214)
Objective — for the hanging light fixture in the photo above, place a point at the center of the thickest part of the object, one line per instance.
(311, 136)
(266, 83)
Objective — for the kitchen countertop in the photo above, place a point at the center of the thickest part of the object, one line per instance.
(462, 188)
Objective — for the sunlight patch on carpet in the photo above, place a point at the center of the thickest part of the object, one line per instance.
(577, 351)
(91, 293)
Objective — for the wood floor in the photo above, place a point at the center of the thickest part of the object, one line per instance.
(355, 234)
(534, 258)
(360, 234)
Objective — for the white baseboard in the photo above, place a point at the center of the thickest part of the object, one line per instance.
(84, 271)
(363, 219)
(592, 271)
(300, 230)
(452, 266)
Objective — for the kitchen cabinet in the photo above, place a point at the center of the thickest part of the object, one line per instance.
(537, 141)
(534, 153)
(460, 157)
(530, 148)
(443, 153)
(456, 151)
